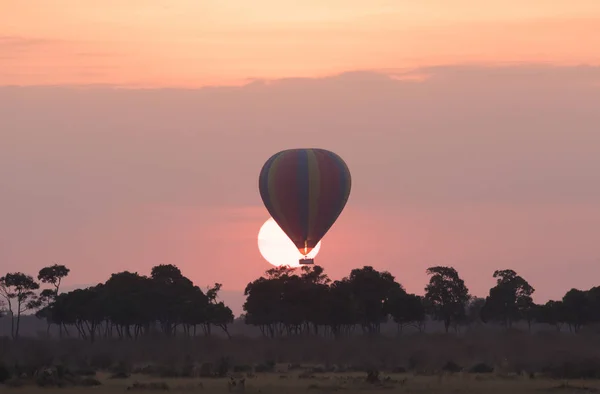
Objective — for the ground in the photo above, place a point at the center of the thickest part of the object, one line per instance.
(293, 382)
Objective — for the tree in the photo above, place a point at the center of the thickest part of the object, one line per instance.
(577, 309)
(370, 290)
(217, 313)
(18, 289)
(53, 275)
(510, 300)
(171, 292)
(553, 313)
(474, 310)
(446, 295)
(406, 309)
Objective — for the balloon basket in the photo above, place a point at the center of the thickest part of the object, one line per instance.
(306, 261)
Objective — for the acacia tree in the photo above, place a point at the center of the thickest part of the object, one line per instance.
(577, 309)
(18, 289)
(217, 313)
(406, 309)
(446, 295)
(510, 300)
(52, 275)
(553, 313)
(370, 290)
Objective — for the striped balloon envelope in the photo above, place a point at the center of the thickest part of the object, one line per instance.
(305, 190)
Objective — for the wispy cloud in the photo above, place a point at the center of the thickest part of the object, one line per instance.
(21, 43)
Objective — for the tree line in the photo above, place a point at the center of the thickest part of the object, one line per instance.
(284, 301)
(127, 305)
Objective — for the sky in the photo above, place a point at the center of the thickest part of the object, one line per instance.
(132, 134)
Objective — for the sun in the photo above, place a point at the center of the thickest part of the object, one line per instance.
(277, 248)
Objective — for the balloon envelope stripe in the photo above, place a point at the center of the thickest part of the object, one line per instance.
(287, 195)
(329, 196)
(275, 209)
(263, 182)
(314, 190)
(302, 191)
(344, 181)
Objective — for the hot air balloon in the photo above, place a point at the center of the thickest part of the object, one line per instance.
(305, 190)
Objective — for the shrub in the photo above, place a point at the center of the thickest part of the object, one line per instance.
(268, 366)
(481, 368)
(89, 382)
(452, 367)
(223, 366)
(242, 368)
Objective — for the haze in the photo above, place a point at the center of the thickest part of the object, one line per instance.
(457, 157)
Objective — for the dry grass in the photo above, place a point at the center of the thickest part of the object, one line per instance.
(515, 362)
(333, 382)
(420, 353)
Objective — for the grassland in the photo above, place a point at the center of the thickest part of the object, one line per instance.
(294, 382)
(481, 362)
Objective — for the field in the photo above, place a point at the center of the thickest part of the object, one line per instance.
(510, 362)
(333, 382)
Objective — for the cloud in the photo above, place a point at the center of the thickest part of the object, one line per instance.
(17, 42)
(13, 47)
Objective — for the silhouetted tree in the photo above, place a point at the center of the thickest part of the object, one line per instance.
(406, 309)
(553, 313)
(216, 312)
(510, 300)
(446, 295)
(18, 289)
(371, 290)
(284, 301)
(474, 310)
(53, 275)
(577, 309)
(130, 305)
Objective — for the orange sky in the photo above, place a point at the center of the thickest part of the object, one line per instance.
(191, 43)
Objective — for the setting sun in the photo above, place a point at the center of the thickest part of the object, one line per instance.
(277, 248)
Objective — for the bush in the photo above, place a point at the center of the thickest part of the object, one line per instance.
(84, 372)
(149, 386)
(122, 368)
(89, 382)
(452, 367)
(120, 375)
(481, 368)
(268, 366)
(242, 368)
(223, 366)
(372, 376)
